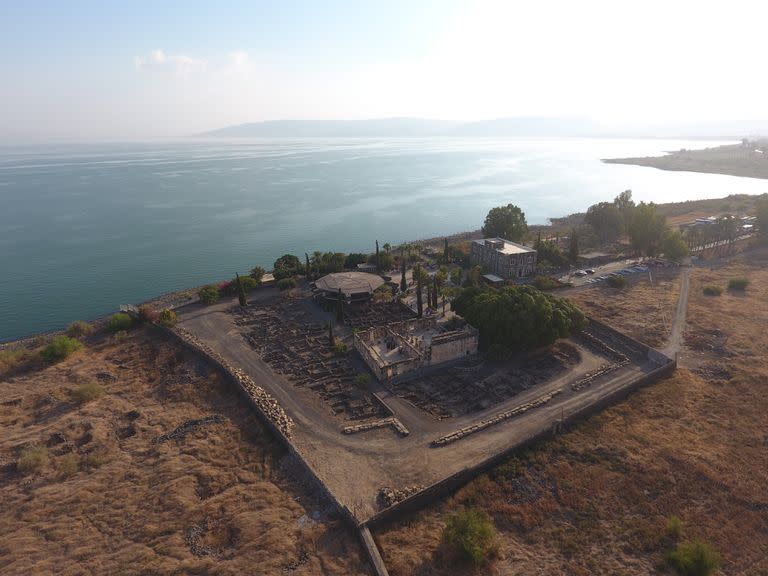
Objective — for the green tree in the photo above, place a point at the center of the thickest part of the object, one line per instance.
(257, 273)
(573, 247)
(331, 339)
(378, 263)
(59, 348)
(606, 220)
(240, 291)
(471, 534)
(456, 276)
(352, 260)
(307, 267)
(419, 303)
(387, 247)
(626, 207)
(287, 265)
(505, 222)
(761, 210)
(549, 255)
(647, 229)
(209, 294)
(517, 317)
(674, 246)
(446, 253)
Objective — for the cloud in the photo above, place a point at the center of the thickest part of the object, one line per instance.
(180, 64)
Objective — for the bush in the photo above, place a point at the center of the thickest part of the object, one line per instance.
(674, 528)
(286, 283)
(87, 392)
(118, 322)
(16, 358)
(471, 534)
(257, 274)
(68, 466)
(120, 336)
(694, 558)
(167, 318)
(545, 283)
(616, 281)
(148, 314)
(362, 379)
(59, 348)
(79, 329)
(32, 460)
(92, 461)
(738, 284)
(249, 283)
(209, 294)
(712, 291)
(340, 348)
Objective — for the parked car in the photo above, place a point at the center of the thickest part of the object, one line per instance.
(579, 273)
(590, 270)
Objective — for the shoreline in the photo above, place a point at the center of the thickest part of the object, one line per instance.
(748, 160)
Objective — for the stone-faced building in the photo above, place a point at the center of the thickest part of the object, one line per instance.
(401, 350)
(504, 258)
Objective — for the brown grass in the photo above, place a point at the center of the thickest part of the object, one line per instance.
(644, 310)
(598, 499)
(111, 501)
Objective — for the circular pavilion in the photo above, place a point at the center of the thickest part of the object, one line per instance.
(354, 286)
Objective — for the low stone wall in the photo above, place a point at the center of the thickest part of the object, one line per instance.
(448, 485)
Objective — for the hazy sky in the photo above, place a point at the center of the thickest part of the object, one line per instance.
(141, 69)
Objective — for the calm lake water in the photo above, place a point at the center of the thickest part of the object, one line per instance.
(84, 228)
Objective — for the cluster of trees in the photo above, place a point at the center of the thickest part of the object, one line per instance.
(505, 222)
(642, 223)
(517, 317)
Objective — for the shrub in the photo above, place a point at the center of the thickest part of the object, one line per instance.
(545, 283)
(92, 461)
(167, 318)
(362, 379)
(32, 460)
(249, 283)
(471, 534)
(87, 392)
(674, 528)
(120, 321)
(16, 358)
(120, 336)
(79, 329)
(617, 281)
(209, 294)
(286, 283)
(340, 348)
(738, 284)
(148, 314)
(68, 466)
(59, 348)
(712, 291)
(257, 274)
(694, 558)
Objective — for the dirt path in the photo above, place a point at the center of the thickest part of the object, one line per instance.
(675, 341)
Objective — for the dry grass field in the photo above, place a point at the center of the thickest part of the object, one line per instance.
(596, 500)
(89, 484)
(644, 310)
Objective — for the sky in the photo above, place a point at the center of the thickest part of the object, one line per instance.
(112, 70)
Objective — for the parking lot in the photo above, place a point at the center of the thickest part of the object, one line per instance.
(628, 268)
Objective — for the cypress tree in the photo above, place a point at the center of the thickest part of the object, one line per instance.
(429, 295)
(403, 283)
(309, 270)
(331, 339)
(445, 252)
(538, 241)
(573, 248)
(434, 292)
(378, 267)
(340, 308)
(419, 303)
(240, 291)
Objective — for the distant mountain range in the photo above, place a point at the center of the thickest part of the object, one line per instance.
(527, 126)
